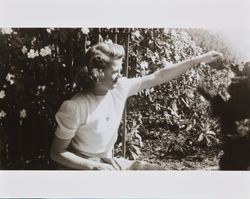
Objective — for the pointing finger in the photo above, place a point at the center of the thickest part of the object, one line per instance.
(217, 55)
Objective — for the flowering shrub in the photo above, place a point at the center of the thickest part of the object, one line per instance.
(37, 71)
(176, 121)
(37, 74)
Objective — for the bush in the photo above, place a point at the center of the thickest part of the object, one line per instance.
(37, 73)
(175, 117)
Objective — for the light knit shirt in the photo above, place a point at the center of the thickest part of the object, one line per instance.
(92, 121)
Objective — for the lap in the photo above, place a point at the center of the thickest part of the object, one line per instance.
(121, 164)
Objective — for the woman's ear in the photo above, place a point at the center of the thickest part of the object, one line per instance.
(96, 61)
(97, 74)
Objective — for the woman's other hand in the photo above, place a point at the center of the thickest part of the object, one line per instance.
(104, 166)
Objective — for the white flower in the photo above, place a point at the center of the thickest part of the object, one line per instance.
(226, 96)
(2, 94)
(241, 67)
(6, 31)
(165, 62)
(23, 113)
(184, 35)
(42, 52)
(154, 57)
(189, 93)
(47, 48)
(166, 31)
(9, 78)
(177, 57)
(136, 34)
(144, 65)
(32, 53)
(2, 114)
(49, 30)
(202, 99)
(24, 50)
(173, 32)
(85, 31)
(150, 42)
(41, 87)
(88, 43)
(45, 51)
(231, 74)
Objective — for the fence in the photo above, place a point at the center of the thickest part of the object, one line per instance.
(26, 139)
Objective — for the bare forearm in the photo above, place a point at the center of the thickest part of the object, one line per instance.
(175, 70)
(170, 72)
(73, 161)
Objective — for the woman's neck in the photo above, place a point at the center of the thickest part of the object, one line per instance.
(99, 91)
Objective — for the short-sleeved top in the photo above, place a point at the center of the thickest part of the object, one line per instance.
(92, 121)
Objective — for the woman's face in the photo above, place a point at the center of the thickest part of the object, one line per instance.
(111, 75)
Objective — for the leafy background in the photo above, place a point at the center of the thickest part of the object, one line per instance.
(169, 124)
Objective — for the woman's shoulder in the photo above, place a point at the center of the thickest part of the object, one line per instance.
(79, 98)
(77, 105)
(74, 102)
(68, 105)
(122, 81)
(125, 80)
(129, 86)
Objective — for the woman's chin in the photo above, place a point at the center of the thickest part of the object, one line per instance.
(114, 84)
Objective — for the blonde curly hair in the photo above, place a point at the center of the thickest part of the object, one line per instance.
(97, 58)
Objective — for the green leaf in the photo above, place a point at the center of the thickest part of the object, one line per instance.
(201, 137)
(209, 132)
(174, 106)
(186, 104)
(189, 127)
(208, 140)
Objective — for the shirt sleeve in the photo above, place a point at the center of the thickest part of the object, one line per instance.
(68, 120)
(130, 86)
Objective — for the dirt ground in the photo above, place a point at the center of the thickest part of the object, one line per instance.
(195, 162)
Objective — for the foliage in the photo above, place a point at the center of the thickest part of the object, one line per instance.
(37, 70)
(174, 108)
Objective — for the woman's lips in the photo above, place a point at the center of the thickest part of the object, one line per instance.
(115, 81)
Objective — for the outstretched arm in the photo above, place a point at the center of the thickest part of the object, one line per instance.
(168, 73)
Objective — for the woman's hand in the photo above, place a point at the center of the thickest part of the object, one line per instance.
(172, 71)
(103, 166)
(210, 57)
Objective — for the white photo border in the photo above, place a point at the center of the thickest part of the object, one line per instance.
(125, 13)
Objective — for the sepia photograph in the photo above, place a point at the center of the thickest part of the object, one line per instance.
(124, 100)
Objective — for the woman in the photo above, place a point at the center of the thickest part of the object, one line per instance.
(88, 122)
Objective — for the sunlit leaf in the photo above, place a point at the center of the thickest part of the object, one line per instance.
(189, 127)
(201, 137)
(209, 132)
(174, 106)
